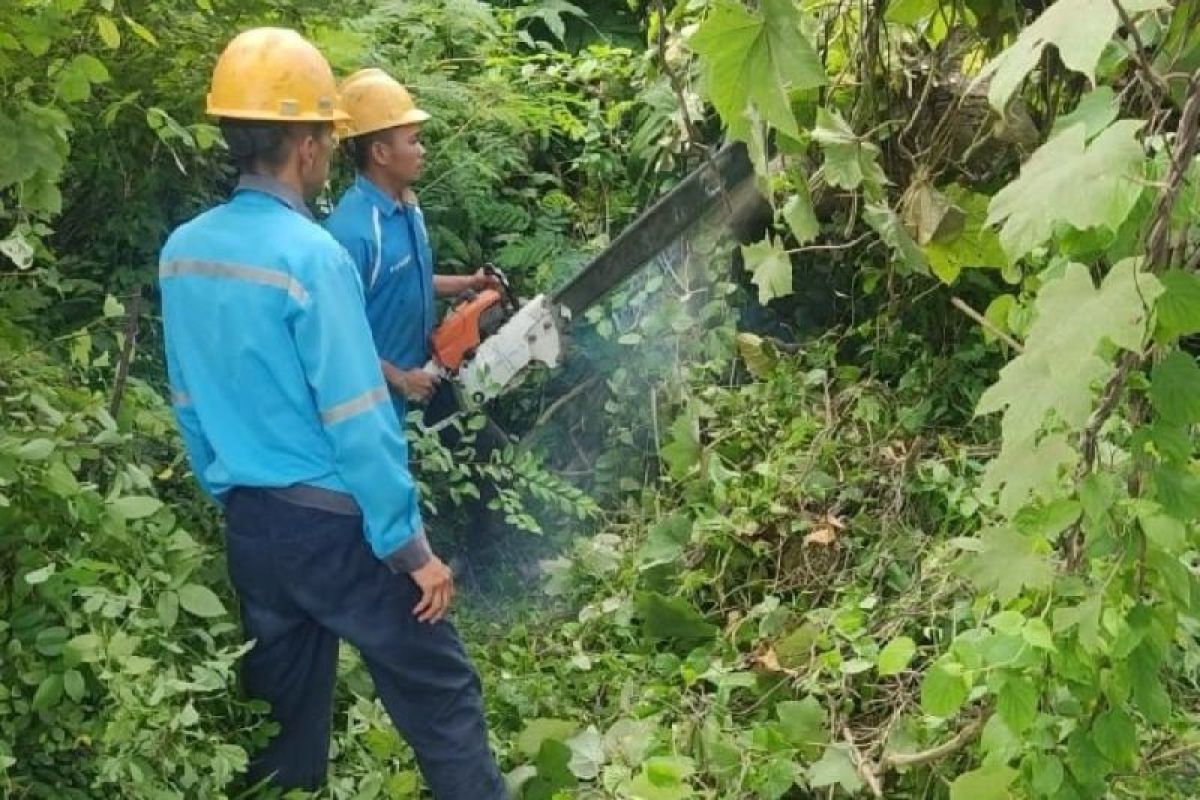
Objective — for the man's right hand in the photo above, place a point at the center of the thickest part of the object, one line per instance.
(436, 582)
(414, 384)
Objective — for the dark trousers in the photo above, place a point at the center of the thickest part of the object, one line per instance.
(306, 578)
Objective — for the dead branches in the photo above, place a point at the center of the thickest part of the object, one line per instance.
(873, 774)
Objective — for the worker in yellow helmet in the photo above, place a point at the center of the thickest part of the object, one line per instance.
(285, 416)
(380, 224)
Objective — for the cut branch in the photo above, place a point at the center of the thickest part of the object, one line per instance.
(868, 774)
(873, 774)
(962, 306)
(127, 350)
(948, 748)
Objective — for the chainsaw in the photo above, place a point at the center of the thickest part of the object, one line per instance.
(488, 341)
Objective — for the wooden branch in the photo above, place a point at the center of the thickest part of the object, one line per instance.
(566, 398)
(873, 774)
(947, 748)
(962, 306)
(1149, 74)
(1193, 262)
(1175, 752)
(694, 139)
(1158, 238)
(1108, 403)
(131, 329)
(866, 771)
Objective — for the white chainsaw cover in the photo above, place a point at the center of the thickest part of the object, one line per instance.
(531, 335)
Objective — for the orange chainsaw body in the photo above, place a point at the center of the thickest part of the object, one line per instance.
(465, 326)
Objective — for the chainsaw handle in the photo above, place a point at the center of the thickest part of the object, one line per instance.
(506, 294)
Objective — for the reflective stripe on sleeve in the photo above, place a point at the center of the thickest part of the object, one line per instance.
(355, 405)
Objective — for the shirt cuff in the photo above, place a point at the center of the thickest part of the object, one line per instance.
(411, 556)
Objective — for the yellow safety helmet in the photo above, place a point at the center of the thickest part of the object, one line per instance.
(274, 74)
(376, 101)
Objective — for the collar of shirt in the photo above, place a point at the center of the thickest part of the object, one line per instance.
(280, 191)
(386, 204)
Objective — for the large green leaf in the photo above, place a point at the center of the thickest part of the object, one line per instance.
(1096, 110)
(803, 722)
(672, 619)
(1029, 467)
(895, 657)
(48, 694)
(1115, 736)
(629, 739)
(1069, 180)
(1152, 698)
(136, 506)
(760, 355)
(753, 59)
(108, 31)
(886, 222)
(1047, 774)
(553, 772)
(663, 778)
(910, 12)
(1007, 562)
(1178, 310)
(1017, 703)
(587, 754)
(665, 541)
(538, 730)
(770, 269)
(76, 78)
(1175, 388)
(1080, 29)
(835, 768)
(976, 246)
(849, 160)
(551, 13)
(1060, 369)
(200, 600)
(943, 689)
(985, 783)
(682, 451)
(798, 213)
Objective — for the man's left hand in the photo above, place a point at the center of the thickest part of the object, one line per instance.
(484, 280)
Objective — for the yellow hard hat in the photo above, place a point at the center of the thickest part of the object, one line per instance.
(273, 74)
(375, 101)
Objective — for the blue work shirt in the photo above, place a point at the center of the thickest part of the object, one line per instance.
(388, 243)
(274, 380)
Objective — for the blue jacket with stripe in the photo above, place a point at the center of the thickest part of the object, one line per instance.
(274, 378)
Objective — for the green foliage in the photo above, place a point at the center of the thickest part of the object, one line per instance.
(752, 60)
(1080, 29)
(818, 567)
(1068, 180)
(770, 268)
(1063, 358)
(105, 688)
(1059, 661)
